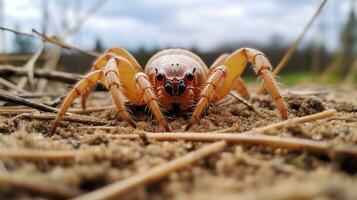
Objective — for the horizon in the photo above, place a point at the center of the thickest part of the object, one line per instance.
(141, 24)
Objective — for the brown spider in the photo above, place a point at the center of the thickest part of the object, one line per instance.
(172, 76)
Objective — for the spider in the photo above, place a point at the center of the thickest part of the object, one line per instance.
(172, 77)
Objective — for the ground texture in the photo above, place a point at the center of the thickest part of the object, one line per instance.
(248, 172)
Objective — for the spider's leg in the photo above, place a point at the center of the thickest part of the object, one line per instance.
(101, 62)
(137, 88)
(238, 85)
(149, 96)
(113, 84)
(87, 81)
(223, 77)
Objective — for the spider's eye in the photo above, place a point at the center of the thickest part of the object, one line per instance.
(159, 76)
(189, 76)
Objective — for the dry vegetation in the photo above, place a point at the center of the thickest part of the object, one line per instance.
(238, 150)
(81, 158)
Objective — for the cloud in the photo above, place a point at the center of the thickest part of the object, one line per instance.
(205, 24)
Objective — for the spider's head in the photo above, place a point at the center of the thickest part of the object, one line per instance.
(175, 81)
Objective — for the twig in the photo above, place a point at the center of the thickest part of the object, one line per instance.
(156, 173)
(31, 154)
(241, 100)
(18, 110)
(12, 58)
(294, 46)
(51, 40)
(4, 96)
(96, 6)
(17, 32)
(295, 144)
(71, 118)
(313, 117)
(106, 128)
(52, 75)
(298, 120)
(70, 78)
(55, 40)
(35, 186)
(29, 67)
(12, 111)
(10, 85)
(39, 95)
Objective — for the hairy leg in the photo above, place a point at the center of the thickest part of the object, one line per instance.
(222, 78)
(238, 85)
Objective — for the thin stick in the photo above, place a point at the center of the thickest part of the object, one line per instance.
(105, 128)
(8, 70)
(313, 117)
(295, 144)
(95, 7)
(298, 120)
(156, 173)
(31, 154)
(10, 85)
(294, 46)
(12, 111)
(51, 40)
(29, 67)
(12, 58)
(63, 44)
(39, 95)
(4, 96)
(17, 32)
(241, 100)
(71, 118)
(39, 187)
(18, 110)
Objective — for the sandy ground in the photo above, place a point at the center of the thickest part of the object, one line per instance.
(248, 172)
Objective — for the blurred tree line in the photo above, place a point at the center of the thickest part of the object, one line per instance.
(309, 58)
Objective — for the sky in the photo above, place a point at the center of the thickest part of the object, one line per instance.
(203, 24)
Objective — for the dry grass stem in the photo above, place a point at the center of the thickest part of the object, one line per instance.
(12, 86)
(17, 58)
(241, 100)
(156, 173)
(64, 45)
(7, 70)
(308, 118)
(4, 96)
(51, 40)
(295, 144)
(29, 67)
(298, 120)
(71, 118)
(294, 46)
(20, 109)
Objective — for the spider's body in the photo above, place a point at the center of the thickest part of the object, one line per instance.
(172, 77)
(183, 76)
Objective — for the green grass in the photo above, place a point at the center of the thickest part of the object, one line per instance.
(300, 77)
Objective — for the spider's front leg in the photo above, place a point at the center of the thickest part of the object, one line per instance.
(134, 85)
(125, 82)
(223, 77)
(239, 85)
